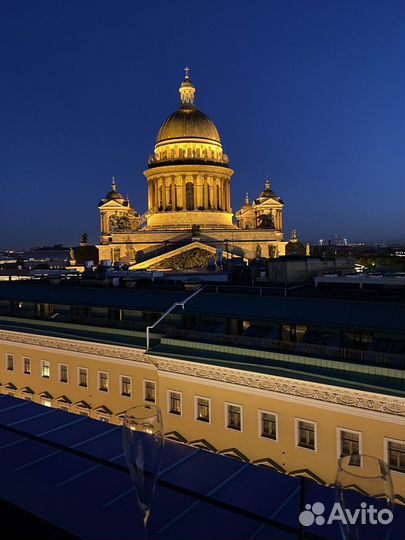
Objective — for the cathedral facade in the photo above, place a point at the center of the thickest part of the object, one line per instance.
(189, 217)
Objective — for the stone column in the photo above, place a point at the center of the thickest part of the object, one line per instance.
(228, 189)
(164, 194)
(149, 195)
(183, 191)
(205, 193)
(155, 195)
(173, 188)
(214, 194)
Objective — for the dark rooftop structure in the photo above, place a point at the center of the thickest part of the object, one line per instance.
(326, 340)
(66, 477)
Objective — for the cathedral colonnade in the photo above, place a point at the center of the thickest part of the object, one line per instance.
(185, 191)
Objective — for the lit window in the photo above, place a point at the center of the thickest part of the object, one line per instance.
(306, 434)
(27, 365)
(126, 384)
(150, 391)
(175, 403)
(396, 456)
(104, 418)
(203, 409)
(234, 417)
(268, 425)
(10, 362)
(103, 381)
(45, 369)
(350, 446)
(83, 377)
(63, 373)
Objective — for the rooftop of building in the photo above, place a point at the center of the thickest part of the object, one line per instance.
(321, 355)
(222, 301)
(65, 476)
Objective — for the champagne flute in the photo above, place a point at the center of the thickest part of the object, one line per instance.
(143, 446)
(365, 493)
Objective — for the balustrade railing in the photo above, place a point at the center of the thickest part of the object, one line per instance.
(396, 361)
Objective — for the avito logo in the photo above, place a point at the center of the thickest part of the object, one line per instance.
(313, 513)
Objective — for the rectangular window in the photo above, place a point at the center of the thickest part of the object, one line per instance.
(233, 416)
(64, 408)
(45, 369)
(10, 362)
(268, 425)
(350, 446)
(174, 403)
(27, 365)
(104, 418)
(150, 391)
(396, 455)
(126, 386)
(202, 409)
(103, 381)
(83, 377)
(63, 373)
(306, 434)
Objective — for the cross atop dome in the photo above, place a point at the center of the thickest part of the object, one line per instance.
(187, 89)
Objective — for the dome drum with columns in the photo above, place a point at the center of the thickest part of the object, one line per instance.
(189, 187)
(189, 171)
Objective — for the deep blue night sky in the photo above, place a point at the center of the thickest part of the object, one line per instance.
(307, 92)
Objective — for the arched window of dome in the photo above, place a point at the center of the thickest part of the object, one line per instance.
(190, 196)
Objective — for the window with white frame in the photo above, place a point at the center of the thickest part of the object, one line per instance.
(10, 362)
(150, 391)
(126, 386)
(103, 381)
(233, 416)
(45, 369)
(202, 412)
(395, 455)
(63, 373)
(306, 434)
(83, 377)
(27, 365)
(268, 425)
(174, 402)
(350, 446)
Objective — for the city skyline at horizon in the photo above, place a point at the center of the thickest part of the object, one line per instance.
(315, 108)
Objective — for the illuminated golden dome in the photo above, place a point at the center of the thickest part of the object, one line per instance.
(188, 122)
